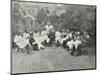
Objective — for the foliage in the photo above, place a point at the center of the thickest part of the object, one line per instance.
(76, 17)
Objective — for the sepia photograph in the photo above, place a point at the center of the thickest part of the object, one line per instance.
(52, 37)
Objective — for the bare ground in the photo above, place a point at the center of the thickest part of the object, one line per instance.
(49, 59)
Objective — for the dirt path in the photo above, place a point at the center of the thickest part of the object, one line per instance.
(49, 59)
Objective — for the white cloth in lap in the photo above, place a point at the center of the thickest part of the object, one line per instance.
(20, 41)
(70, 44)
(77, 43)
(58, 36)
(38, 41)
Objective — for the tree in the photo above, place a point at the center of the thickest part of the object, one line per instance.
(42, 16)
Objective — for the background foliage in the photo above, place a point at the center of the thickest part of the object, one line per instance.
(32, 16)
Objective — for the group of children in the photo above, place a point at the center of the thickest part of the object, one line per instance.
(49, 36)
